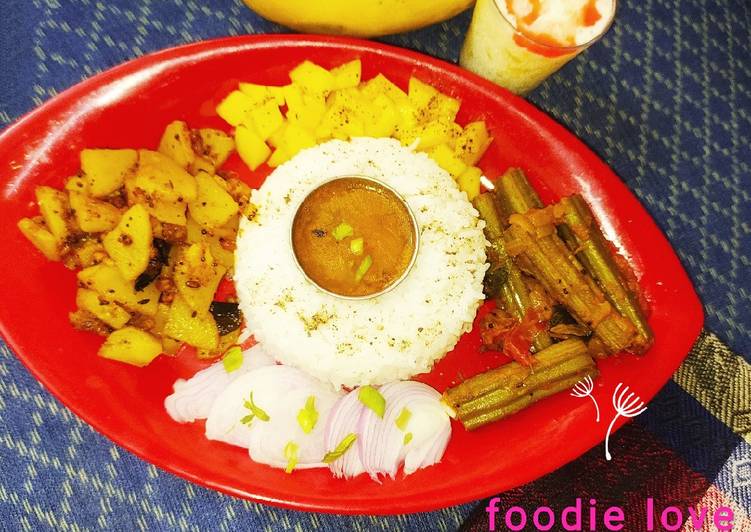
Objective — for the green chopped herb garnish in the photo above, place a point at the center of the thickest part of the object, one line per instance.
(407, 438)
(255, 412)
(357, 245)
(363, 268)
(290, 453)
(342, 231)
(342, 448)
(233, 358)
(403, 419)
(307, 417)
(373, 399)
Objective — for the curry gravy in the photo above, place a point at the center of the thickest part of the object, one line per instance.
(326, 235)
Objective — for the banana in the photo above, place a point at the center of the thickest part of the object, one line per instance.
(361, 18)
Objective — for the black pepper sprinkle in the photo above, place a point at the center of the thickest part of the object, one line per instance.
(319, 233)
(144, 301)
(194, 314)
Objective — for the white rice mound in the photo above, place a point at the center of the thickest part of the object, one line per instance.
(373, 341)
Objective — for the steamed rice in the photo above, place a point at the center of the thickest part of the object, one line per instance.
(356, 342)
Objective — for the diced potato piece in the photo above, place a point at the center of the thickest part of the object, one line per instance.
(217, 145)
(129, 244)
(262, 93)
(160, 178)
(104, 309)
(169, 212)
(176, 143)
(213, 206)
(90, 252)
(313, 77)
(132, 346)
(296, 138)
(92, 215)
(382, 117)
(53, 204)
(444, 156)
(471, 144)
(160, 318)
(234, 107)
(106, 280)
(225, 342)
(420, 93)
(40, 237)
(278, 157)
(266, 118)
(469, 182)
(382, 85)
(202, 164)
(197, 276)
(170, 346)
(347, 75)
(77, 184)
(105, 170)
(251, 148)
(192, 327)
(222, 252)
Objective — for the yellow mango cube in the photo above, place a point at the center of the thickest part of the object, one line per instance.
(277, 137)
(234, 107)
(262, 93)
(279, 157)
(469, 182)
(435, 133)
(347, 75)
(304, 107)
(470, 146)
(266, 118)
(251, 147)
(382, 85)
(313, 77)
(420, 93)
(296, 138)
(444, 156)
(382, 117)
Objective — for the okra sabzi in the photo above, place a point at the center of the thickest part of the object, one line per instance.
(500, 392)
(583, 236)
(505, 279)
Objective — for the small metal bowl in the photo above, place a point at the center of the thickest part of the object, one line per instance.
(415, 233)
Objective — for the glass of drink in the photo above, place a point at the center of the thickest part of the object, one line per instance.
(519, 43)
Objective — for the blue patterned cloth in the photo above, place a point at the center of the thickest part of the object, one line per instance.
(665, 98)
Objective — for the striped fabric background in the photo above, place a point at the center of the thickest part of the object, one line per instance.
(665, 98)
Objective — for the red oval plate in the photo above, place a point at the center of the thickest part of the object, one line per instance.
(129, 106)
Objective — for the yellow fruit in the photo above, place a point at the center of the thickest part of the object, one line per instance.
(364, 18)
(252, 149)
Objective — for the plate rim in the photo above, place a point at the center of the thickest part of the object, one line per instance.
(192, 50)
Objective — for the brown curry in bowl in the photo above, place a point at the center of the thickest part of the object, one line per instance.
(354, 237)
